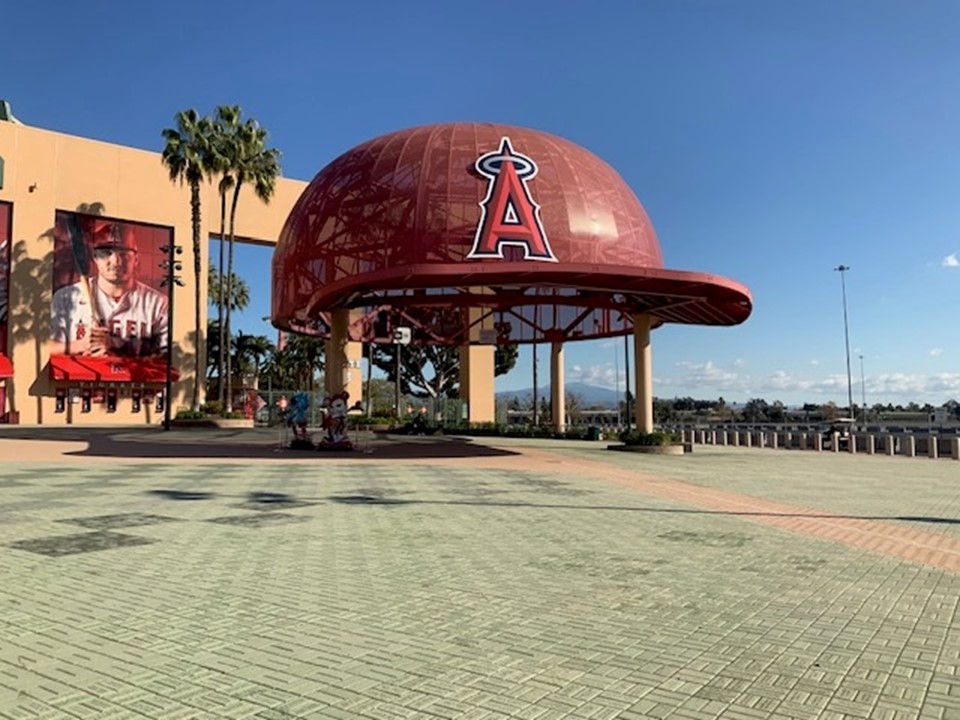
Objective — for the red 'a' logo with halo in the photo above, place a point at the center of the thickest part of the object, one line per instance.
(509, 216)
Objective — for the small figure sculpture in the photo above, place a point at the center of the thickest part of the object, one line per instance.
(297, 420)
(335, 423)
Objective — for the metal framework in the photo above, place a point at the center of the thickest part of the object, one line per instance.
(387, 227)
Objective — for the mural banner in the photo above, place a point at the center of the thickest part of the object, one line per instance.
(107, 297)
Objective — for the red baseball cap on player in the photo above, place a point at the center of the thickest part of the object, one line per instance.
(113, 235)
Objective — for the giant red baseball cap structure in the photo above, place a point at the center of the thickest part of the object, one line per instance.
(447, 228)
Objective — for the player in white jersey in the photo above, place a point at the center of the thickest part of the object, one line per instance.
(127, 317)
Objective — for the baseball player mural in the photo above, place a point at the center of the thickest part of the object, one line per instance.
(105, 280)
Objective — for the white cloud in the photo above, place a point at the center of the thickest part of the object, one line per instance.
(707, 380)
(598, 375)
(814, 362)
(951, 260)
(739, 362)
(936, 352)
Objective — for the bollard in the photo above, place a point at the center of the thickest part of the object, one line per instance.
(933, 446)
(871, 445)
(803, 441)
(852, 444)
(736, 438)
(773, 440)
(748, 439)
(835, 444)
(909, 446)
(955, 448)
(890, 445)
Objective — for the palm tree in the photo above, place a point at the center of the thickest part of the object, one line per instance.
(302, 358)
(223, 152)
(185, 156)
(259, 166)
(239, 297)
(251, 351)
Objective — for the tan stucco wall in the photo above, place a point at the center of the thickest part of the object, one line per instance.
(48, 171)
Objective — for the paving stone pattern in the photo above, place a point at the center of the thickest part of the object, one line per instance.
(389, 590)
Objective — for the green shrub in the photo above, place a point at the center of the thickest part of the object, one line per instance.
(232, 415)
(212, 408)
(190, 415)
(634, 437)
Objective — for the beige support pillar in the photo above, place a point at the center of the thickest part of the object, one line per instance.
(871, 444)
(818, 442)
(558, 398)
(955, 448)
(342, 359)
(644, 372)
(335, 360)
(889, 445)
(354, 384)
(909, 445)
(476, 382)
(933, 446)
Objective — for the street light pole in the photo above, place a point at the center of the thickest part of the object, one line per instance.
(842, 269)
(863, 392)
(172, 266)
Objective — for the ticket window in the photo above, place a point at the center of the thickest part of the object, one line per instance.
(135, 400)
(61, 400)
(111, 400)
(85, 400)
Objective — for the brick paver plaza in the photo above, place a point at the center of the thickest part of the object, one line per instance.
(448, 578)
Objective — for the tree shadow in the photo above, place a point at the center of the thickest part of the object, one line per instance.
(240, 445)
(380, 500)
(189, 495)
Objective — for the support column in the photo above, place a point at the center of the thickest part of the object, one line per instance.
(354, 379)
(476, 382)
(558, 398)
(644, 372)
(335, 360)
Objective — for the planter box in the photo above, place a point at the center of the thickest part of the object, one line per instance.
(212, 422)
(651, 449)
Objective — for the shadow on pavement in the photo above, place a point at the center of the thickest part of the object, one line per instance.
(244, 444)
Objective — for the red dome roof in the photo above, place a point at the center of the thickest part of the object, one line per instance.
(396, 223)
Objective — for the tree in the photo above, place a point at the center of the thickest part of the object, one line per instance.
(433, 370)
(251, 352)
(573, 405)
(239, 292)
(185, 156)
(250, 163)
(301, 359)
(756, 410)
(222, 151)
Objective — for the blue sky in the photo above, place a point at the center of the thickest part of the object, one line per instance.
(768, 141)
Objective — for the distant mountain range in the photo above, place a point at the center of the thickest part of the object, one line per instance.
(592, 395)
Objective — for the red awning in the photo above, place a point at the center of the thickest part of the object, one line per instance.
(6, 367)
(65, 367)
(109, 369)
